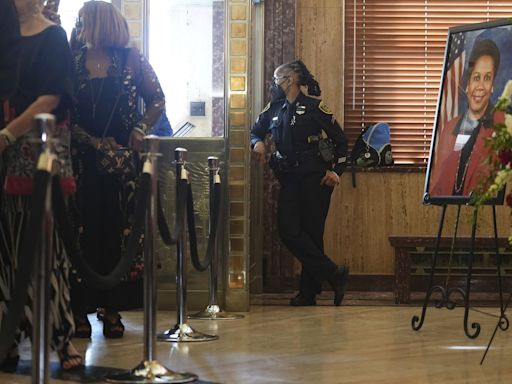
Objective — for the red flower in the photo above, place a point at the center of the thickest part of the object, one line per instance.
(509, 199)
(505, 156)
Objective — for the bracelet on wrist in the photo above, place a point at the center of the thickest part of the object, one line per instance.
(142, 127)
(140, 130)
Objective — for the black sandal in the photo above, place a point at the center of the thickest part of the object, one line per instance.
(66, 357)
(83, 327)
(112, 330)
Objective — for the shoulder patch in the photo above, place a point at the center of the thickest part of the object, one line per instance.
(324, 108)
(266, 108)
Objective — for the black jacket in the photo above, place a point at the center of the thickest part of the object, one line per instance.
(296, 128)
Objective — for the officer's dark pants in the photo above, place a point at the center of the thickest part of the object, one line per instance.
(302, 210)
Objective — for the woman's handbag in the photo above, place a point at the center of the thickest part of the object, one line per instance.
(117, 161)
(114, 161)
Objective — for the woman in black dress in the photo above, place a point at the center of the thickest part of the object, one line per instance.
(110, 80)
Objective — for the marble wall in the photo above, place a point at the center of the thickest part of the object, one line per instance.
(279, 48)
(218, 68)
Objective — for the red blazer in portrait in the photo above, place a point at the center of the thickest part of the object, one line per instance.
(445, 163)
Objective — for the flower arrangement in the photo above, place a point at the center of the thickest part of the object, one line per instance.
(500, 145)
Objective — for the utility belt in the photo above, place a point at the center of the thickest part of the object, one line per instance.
(282, 164)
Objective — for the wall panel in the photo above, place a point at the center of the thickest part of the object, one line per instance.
(319, 44)
(389, 203)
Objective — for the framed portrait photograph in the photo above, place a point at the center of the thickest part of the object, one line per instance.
(477, 66)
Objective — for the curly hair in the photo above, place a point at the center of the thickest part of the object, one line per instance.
(305, 77)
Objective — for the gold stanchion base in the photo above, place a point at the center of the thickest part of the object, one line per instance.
(151, 372)
(184, 332)
(213, 312)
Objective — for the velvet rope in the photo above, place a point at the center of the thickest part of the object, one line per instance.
(90, 276)
(213, 230)
(181, 197)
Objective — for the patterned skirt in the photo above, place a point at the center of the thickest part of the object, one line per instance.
(13, 221)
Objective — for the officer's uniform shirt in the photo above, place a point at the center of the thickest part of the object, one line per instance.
(296, 128)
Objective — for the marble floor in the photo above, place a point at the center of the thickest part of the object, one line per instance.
(323, 344)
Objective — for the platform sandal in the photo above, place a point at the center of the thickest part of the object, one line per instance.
(83, 327)
(112, 330)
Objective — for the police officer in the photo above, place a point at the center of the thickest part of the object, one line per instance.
(310, 158)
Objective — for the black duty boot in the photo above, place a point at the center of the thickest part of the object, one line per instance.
(339, 283)
(302, 301)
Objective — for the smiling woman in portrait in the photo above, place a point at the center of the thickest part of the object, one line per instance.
(459, 164)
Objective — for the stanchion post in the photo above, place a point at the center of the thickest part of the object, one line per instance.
(150, 370)
(213, 310)
(149, 264)
(182, 331)
(41, 325)
(214, 178)
(181, 277)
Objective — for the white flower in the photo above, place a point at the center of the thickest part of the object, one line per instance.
(501, 174)
(498, 180)
(508, 123)
(507, 92)
(502, 177)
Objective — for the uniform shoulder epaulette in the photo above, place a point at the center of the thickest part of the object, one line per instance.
(324, 108)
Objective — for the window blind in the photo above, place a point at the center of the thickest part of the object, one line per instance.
(394, 52)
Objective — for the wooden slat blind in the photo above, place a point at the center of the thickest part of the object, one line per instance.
(394, 53)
